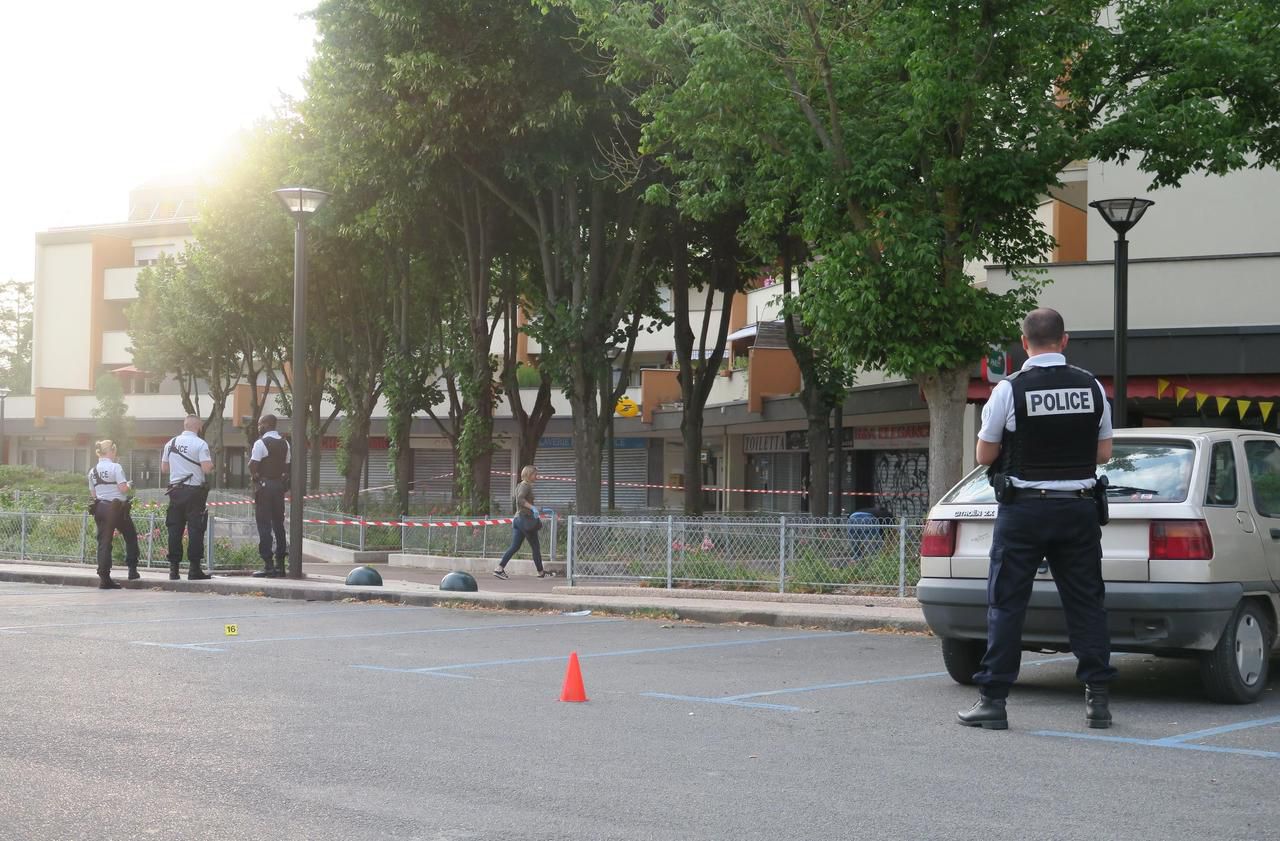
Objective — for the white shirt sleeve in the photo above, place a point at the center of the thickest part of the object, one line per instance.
(120, 477)
(205, 455)
(259, 451)
(1104, 426)
(997, 415)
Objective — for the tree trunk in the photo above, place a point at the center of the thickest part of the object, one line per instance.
(819, 474)
(946, 392)
(691, 431)
(357, 446)
(403, 463)
(586, 454)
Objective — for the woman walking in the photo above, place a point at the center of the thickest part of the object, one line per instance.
(111, 503)
(525, 525)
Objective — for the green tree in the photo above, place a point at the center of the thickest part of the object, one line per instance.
(179, 326)
(15, 336)
(112, 413)
(913, 139)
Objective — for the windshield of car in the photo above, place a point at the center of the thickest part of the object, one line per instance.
(1139, 471)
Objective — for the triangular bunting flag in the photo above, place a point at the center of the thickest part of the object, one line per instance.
(1223, 402)
(1243, 406)
(1266, 408)
(1200, 398)
(1161, 387)
(1180, 393)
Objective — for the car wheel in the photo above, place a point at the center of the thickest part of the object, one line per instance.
(962, 658)
(1235, 671)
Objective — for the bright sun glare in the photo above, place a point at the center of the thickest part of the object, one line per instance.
(101, 97)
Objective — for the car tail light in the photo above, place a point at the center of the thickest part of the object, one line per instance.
(1180, 540)
(939, 539)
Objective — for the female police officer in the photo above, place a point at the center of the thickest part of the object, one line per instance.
(1044, 432)
(111, 502)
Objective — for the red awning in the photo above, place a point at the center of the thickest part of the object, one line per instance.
(1246, 386)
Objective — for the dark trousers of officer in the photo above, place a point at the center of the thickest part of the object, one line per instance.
(1065, 532)
(187, 512)
(268, 510)
(112, 517)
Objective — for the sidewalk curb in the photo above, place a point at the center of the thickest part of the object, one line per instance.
(833, 617)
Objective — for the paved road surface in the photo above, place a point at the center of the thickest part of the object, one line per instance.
(132, 714)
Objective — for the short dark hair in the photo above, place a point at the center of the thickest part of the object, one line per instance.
(1043, 327)
(269, 421)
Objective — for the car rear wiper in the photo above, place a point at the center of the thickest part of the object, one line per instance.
(1126, 490)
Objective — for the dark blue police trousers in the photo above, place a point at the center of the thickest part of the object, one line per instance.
(1065, 532)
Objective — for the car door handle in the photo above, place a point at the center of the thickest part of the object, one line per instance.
(1275, 534)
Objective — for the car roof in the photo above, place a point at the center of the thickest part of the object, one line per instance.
(1214, 433)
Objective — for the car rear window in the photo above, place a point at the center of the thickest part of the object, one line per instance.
(1139, 471)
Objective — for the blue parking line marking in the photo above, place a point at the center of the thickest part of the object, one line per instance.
(626, 653)
(738, 699)
(727, 702)
(216, 646)
(1161, 743)
(1215, 731)
(216, 618)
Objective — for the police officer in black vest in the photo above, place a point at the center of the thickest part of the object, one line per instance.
(1044, 431)
(187, 460)
(269, 466)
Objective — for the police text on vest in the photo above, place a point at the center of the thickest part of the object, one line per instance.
(1060, 401)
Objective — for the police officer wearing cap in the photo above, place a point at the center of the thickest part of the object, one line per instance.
(1044, 431)
(187, 460)
(110, 511)
(269, 466)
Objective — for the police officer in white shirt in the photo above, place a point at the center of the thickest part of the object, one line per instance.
(269, 466)
(110, 491)
(1044, 432)
(187, 460)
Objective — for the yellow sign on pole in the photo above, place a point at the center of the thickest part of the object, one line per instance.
(627, 408)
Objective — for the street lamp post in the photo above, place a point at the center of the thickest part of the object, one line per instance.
(612, 353)
(4, 453)
(1121, 215)
(300, 203)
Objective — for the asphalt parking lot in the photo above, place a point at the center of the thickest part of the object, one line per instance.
(133, 714)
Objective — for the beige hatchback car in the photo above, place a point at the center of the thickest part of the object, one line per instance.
(1191, 558)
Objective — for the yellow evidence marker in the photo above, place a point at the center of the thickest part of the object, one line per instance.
(232, 630)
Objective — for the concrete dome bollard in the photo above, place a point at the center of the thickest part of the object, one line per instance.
(462, 582)
(364, 577)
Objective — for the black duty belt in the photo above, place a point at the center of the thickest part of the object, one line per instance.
(1045, 493)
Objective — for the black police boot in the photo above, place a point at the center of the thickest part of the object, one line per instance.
(195, 573)
(174, 575)
(105, 583)
(987, 713)
(268, 571)
(133, 573)
(1097, 705)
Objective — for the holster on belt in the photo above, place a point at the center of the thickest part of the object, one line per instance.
(1100, 500)
(1003, 486)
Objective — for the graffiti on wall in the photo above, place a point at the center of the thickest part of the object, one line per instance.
(902, 481)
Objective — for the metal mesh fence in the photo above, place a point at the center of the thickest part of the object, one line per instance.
(231, 542)
(787, 554)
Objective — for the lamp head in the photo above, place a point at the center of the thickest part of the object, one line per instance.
(1122, 214)
(301, 202)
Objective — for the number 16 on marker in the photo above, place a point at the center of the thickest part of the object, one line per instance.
(232, 630)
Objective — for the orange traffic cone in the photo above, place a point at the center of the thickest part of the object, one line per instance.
(573, 689)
